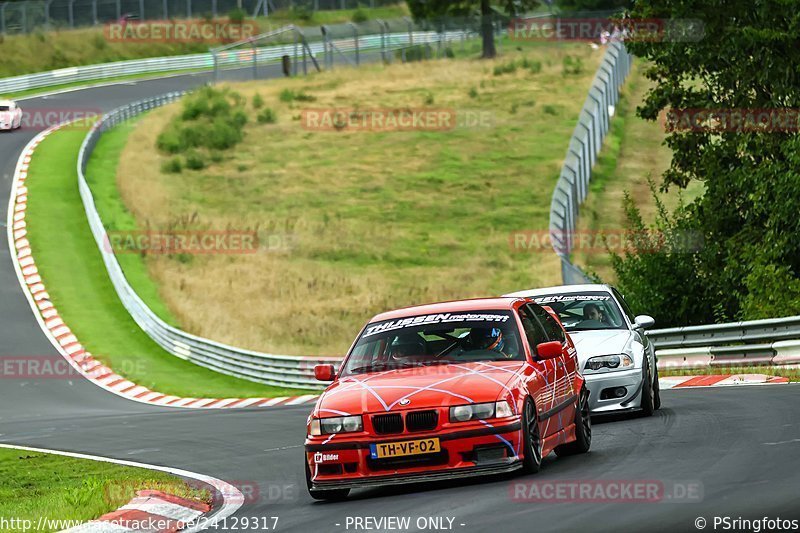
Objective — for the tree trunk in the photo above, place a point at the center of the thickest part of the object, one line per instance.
(487, 30)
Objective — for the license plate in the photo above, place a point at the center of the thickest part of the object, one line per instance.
(403, 448)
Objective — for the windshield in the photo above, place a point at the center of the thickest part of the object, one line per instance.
(441, 338)
(585, 311)
(4, 108)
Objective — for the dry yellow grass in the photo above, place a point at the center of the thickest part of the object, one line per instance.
(633, 153)
(372, 221)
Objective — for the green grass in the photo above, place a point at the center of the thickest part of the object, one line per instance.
(632, 152)
(792, 373)
(75, 276)
(376, 219)
(43, 486)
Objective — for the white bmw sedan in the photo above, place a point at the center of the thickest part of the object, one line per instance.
(10, 115)
(615, 356)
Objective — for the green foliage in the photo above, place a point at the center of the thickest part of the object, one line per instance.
(237, 15)
(359, 16)
(594, 5)
(505, 68)
(429, 98)
(549, 109)
(289, 95)
(210, 118)
(571, 66)
(473, 92)
(194, 160)
(745, 58)
(172, 165)
(258, 101)
(267, 116)
(302, 13)
(417, 52)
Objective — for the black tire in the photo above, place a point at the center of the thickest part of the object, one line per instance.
(657, 389)
(326, 495)
(531, 438)
(583, 428)
(648, 392)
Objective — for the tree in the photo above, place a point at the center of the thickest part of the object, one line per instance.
(745, 59)
(443, 9)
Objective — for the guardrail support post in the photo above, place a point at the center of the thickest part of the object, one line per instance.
(141, 9)
(71, 8)
(255, 60)
(119, 9)
(165, 10)
(188, 9)
(355, 42)
(94, 12)
(382, 25)
(3, 17)
(214, 8)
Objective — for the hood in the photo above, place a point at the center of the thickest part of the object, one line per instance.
(424, 387)
(601, 342)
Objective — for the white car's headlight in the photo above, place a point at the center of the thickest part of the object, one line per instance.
(338, 424)
(611, 362)
(480, 411)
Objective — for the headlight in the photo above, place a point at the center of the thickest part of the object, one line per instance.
(612, 362)
(338, 424)
(480, 411)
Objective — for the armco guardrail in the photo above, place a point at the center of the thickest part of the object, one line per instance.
(281, 370)
(585, 144)
(774, 341)
(242, 58)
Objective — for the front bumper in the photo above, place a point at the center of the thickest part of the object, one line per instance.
(464, 453)
(631, 380)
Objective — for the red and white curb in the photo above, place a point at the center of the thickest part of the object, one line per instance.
(60, 334)
(173, 512)
(720, 380)
(150, 510)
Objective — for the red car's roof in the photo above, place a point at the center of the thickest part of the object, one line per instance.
(456, 306)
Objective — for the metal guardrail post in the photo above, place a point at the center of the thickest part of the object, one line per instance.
(189, 9)
(118, 4)
(165, 9)
(141, 9)
(410, 24)
(255, 60)
(71, 8)
(383, 27)
(3, 7)
(355, 42)
(214, 8)
(94, 12)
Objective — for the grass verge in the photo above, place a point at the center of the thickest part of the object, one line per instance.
(363, 220)
(792, 373)
(76, 280)
(45, 488)
(633, 151)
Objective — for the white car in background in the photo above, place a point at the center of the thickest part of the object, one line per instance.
(615, 356)
(10, 115)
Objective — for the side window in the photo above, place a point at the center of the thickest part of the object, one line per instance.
(551, 327)
(624, 304)
(533, 330)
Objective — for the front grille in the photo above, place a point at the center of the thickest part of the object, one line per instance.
(422, 420)
(388, 424)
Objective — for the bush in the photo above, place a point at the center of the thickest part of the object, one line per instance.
(210, 119)
(288, 96)
(359, 16)
(571, 66)
(473, 92)
(267, 116)
(448, 53)
(195, 161)
(416, 52)
(506, 68)
(258, 102)
(550, 109)
(172, 166)
(429, 98)
(237, 15)
(301, 13)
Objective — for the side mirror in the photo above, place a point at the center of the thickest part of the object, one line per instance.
(548, 350)
(324, 372)
(644, 321)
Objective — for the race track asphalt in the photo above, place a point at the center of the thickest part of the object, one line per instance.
(736, 448)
